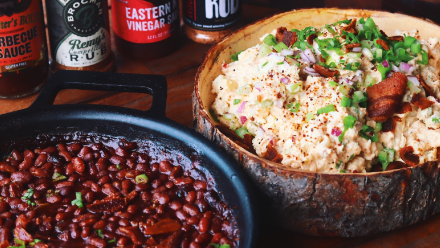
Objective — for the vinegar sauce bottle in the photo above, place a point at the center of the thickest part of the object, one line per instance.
(146, 29)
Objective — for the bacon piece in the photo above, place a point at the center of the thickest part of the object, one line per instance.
(385, 97)
(396, 165)
(352, 45)
(321, 58)
(390, 124)
(421, 101)
(425, 86)
(407, 155)
(22, 221)
(287, 37)
(325, 72)
(272, 154)
(383, 44)
(403, 108)
(396, 38)
(383, 33)
(311, 37)
(350, 28)
(163, 226)
(133, 232)
(22, 234)
(4, 244)
(111, 203)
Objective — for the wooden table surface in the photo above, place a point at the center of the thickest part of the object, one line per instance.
(180, 69)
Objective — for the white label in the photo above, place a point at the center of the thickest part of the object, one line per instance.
(76, 51)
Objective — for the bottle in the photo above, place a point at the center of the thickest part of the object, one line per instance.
(79, 35)
(208, 21)
(23, 50)
(146, 29)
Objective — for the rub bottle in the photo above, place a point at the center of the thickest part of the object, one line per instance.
(146, 29)
(23, 50)
(79, 35)
(208, 21)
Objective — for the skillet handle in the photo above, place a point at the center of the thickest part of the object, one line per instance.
(154, 85)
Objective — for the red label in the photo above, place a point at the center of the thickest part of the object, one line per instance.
(21, 35)
(139, 21)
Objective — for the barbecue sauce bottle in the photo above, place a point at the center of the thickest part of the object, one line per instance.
(79, 35)
(23, 50)
(208, 21)
(146, 29)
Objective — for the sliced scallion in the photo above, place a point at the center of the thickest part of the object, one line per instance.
(142, 178)
(327, 109)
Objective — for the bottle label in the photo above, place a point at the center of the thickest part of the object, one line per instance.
(78, 31)
(21, 35)
(211, 15)
(140, 21)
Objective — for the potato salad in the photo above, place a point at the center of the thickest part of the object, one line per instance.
(342, 98)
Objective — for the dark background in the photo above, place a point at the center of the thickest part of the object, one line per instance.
(429, 9)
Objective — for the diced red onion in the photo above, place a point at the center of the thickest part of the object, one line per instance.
(310, 55)
(279, 103)
(284, 80)
(406, 68)
(355, 78)
(355, 171)
(286, 52)
(304, 58)
(336, 132)
(296, 52)
(413, 80)
(411, 69)
(347, 81)
(243, 119)
(241, 108)
(385, 63)
(258, 86)
(358, 126)
(357, 49)
(394, 68)
(260, 131)
(293, 139)
(316, 48)
(311, 72)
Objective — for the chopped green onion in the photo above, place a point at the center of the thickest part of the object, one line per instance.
(416, 47)
(142, 178)
(435, 119)
(398, 45)
(58, 177)
(341, 136)
(310, 116)
(31, 243)
(242, 131)
(407, 41)
(346, 102)
(237, 101)
(280, 63)
(342, 61)
(294, 88)
(383, 70)
(293, 108)
(413, 88)
(369, 133)
(112, 241)
(78, 200)
(344, 89)
(267, 103)
(225, 116)
(370, 23)
(270, 40)
(100, 233)
(425, 58)
(378, 127)
(367, 43)
(349, 121)
(369, 81)
(403, 55)
(280, 46)
(244, 90)
(386, 156)
(264, 50)
(354, 55)
(327, 109)
(20, 243)
(264, 64)
(359, 96)
(234, 56)
(117, 166)
(213, 115)
(333, 84)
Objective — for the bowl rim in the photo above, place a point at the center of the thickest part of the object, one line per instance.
(267, 163)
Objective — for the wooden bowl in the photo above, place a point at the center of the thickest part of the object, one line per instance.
(346, 205)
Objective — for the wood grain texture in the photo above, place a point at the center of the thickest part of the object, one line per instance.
(180, 68)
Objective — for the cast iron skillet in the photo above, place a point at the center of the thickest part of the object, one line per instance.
(42, 117)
